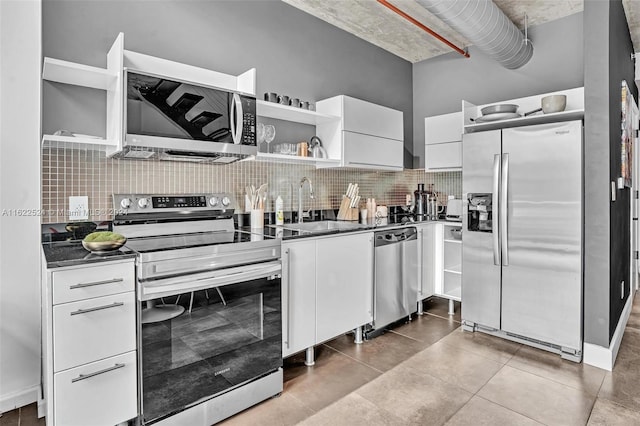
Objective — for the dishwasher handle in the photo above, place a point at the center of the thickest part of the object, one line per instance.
(395, 236)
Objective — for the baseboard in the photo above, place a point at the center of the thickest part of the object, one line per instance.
(19, 399)
(602, 357)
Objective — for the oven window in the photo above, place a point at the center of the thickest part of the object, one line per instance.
(230, 337)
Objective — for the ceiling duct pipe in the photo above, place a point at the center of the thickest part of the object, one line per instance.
(485, 26)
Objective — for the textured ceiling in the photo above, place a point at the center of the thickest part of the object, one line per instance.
(378, 25)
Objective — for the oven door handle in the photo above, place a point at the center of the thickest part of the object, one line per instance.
(180, 285)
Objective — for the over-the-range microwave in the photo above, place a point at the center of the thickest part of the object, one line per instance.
(169, 119)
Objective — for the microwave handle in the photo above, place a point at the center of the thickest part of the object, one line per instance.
(237, 113)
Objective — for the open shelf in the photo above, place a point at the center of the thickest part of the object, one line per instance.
(77, 74)
(283, 158)
(290, 113)
(454, 294)
(526, 121)
(75, 140)
(456, 269)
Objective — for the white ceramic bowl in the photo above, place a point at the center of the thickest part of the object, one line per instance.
(554, 103)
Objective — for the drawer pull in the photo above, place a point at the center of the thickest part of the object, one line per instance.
(91, 284)
(97, 308)
(87, 376)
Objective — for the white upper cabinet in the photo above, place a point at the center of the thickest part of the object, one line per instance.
(370, 119)
(443, 142)
(367, 135)
(443, 128)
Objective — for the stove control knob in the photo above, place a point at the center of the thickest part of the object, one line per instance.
(143, 203)
(226, 201)
(213, 201)
(125, 203)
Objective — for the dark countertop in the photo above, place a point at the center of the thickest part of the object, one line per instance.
(286, 231)
(71, 253)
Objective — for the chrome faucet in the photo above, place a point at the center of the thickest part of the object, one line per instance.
(302, 215)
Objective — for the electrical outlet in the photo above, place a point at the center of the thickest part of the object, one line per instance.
(622, 290)
(79, 208)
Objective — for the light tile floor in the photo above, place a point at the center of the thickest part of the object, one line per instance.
(429, 372)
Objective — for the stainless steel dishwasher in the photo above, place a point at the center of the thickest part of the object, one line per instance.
(396, 277)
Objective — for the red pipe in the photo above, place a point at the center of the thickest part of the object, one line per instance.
(424, 27)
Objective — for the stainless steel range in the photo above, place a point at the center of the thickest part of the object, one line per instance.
(209, 298)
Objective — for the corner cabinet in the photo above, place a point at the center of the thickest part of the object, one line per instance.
(443, 142)
(366, 135)
(89, 344)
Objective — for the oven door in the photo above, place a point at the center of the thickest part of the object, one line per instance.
(228, 335)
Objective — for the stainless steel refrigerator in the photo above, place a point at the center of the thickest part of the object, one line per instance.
(522, 235)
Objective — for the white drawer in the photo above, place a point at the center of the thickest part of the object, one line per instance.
(100, 393)
(92, 281)
(93, 329)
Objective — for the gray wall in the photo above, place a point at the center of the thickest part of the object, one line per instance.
(606, 223)
(294, 53)
(441, 83)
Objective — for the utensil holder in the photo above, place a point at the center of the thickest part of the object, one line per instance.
(257, 219)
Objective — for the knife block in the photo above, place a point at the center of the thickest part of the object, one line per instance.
(346, 212)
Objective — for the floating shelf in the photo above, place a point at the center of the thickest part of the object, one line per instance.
(526, 121)
(454, 270)
(283, 158)
(289, 113)
(454, 294)
(92, 144)
(77, 74)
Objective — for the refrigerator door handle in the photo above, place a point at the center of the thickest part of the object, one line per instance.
(504, 222)
(494, 206)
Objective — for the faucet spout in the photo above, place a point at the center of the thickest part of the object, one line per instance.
(301, 214)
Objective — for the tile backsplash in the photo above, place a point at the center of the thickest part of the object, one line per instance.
(73, 172)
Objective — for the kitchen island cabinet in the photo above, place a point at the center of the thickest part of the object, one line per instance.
(327, 289)
(89, 343)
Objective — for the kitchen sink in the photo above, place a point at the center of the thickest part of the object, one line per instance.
(322, 226)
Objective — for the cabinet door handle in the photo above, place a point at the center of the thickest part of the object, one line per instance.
(91, 284)
(97, 308)
(288, 302)
(88, 376)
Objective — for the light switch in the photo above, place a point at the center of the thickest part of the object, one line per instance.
(79, 208)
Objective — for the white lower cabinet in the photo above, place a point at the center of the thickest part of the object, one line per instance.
(427, 237)
(89, 344)
(299, 296)
(344, 284)
(448, 280)
(101, 392)
(327, 288)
